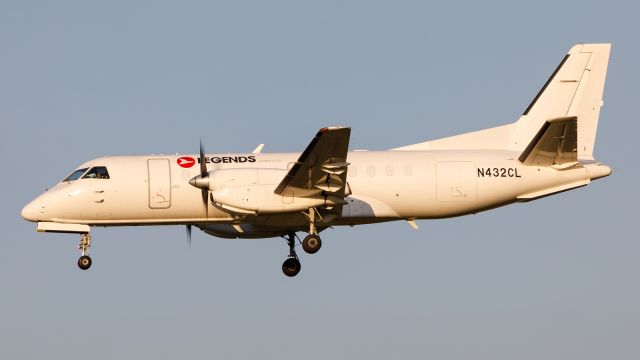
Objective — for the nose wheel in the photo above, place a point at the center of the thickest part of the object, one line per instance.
(84, 262)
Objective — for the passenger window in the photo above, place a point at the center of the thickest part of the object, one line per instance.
(407, 170)
(352, 172)
(388, 170)
(371, 171)
(97, 172)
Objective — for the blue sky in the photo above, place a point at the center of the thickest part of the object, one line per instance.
(555, 278)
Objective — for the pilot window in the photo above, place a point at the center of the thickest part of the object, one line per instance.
(97, 172)
(75, 175)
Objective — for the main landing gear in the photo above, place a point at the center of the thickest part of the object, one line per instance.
(310, 244)
(291, 266)
(84, 262)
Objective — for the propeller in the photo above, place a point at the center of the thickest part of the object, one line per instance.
(202, 182)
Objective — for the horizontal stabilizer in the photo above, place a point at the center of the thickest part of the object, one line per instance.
(552, 191)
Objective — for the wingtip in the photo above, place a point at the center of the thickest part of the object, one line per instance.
(333, 128)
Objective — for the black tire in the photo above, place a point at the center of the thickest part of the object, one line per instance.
(291, 267)
(311, 244)
(84, 262)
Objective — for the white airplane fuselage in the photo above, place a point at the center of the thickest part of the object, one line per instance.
(548, 150)
(383, 186)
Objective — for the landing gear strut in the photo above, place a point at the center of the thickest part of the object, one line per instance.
(84, 262)
(291, 266)
(312, 242)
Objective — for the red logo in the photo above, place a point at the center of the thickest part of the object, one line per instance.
(186, 161)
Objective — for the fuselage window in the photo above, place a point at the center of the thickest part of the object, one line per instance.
(97, 172)
(352, 171)
(371, 171)
(407, 170)
(76, 174)
(388, 170)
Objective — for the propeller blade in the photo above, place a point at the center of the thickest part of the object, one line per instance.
(203, 161)
(189, 235)
(205, 202)
(204, 174)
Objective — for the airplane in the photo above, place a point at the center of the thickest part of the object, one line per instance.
(548, 150)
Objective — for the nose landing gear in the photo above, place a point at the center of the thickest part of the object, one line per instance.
(84, 262)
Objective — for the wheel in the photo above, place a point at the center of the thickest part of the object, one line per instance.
(291, 267)
(84, 262)
(311, 244)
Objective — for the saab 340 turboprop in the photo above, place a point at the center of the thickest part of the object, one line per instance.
(548, 150)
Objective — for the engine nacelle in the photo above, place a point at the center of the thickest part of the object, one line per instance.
(242, 231)
(251, 191)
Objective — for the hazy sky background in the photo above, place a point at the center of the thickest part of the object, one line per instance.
(551, 279)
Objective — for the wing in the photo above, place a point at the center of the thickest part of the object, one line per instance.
(322, 167)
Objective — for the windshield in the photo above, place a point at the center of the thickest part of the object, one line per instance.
(75, 175)
(98, 172)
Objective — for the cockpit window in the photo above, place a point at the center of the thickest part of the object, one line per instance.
(97, 172)
(76, 174)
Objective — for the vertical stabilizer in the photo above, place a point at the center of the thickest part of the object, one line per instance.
(574, 90)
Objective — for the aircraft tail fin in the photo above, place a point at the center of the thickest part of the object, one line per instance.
(574, 91)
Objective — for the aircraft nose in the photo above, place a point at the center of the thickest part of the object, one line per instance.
(31, 211)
